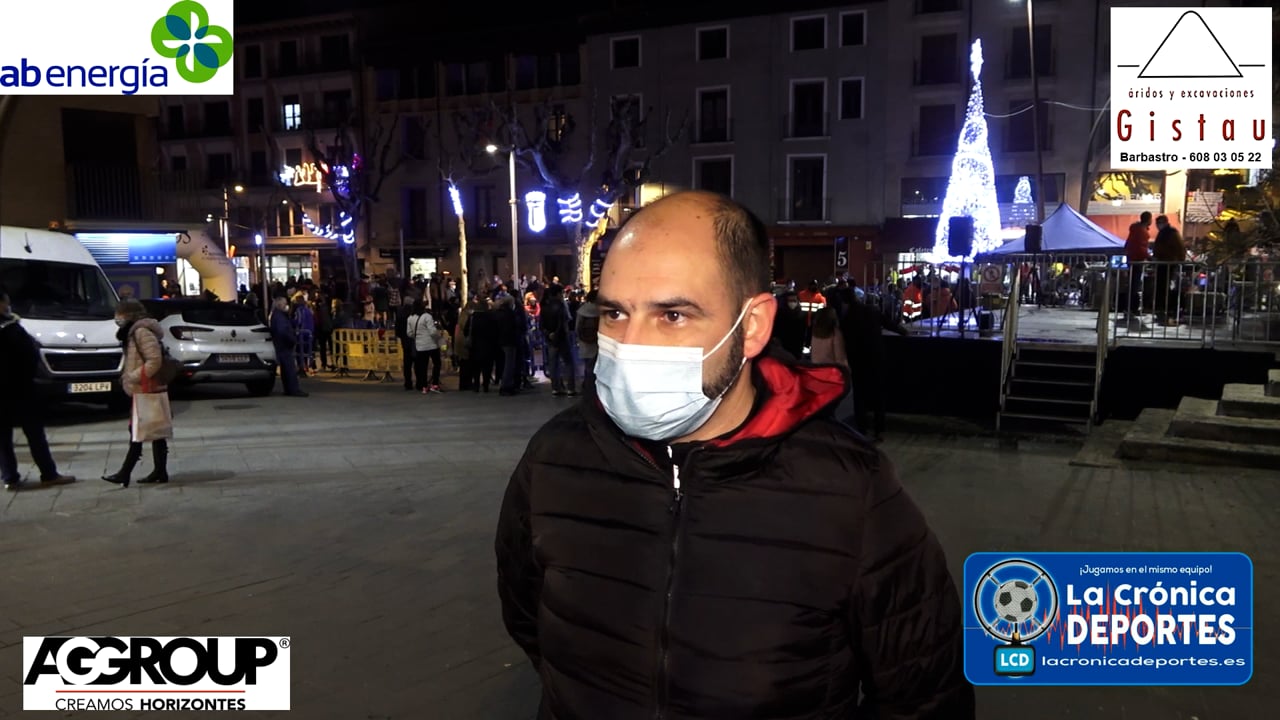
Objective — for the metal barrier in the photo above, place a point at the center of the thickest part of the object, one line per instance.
(377, 352)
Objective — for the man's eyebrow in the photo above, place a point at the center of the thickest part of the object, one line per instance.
(674, 303)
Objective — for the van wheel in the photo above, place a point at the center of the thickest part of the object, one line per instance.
(261, 388)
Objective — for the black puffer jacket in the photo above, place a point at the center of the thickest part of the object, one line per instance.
(790, 572)
(19, 360)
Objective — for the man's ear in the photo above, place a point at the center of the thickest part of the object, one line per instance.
(758, 324)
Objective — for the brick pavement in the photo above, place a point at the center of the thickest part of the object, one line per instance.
(359, 521)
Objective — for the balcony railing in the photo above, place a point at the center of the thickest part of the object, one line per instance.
(122, 192)
(311, 64)
(805, 125)
(1019, 69)
(712, 134)
(805, 210)
(932, 145)
(1027, 144)
(926, 76)
(317, 121)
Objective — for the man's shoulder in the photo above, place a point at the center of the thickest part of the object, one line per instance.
(565, 429)
(830, 454)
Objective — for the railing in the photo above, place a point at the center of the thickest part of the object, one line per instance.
(811, 212)
(316, 121)
(311, 64)
(804, 126)
(722, 134)
(1100, 357)
(1009, 343)
(109, 192)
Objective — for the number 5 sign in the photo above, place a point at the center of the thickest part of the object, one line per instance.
(841, 254)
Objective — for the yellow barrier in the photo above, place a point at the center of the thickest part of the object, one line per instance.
(377, 352)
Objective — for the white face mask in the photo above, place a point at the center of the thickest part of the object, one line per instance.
(654, 392)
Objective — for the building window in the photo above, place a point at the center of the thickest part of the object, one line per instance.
(328, 216)
(713, 43)
(808, 33)
(386, 84)
(285, 225)
(937, 132)
(923, 196)
(413, 213)
(713, 115)
(1020, 53)
(337, 108)
(455, 79)
(557, 124)
(853, 28)
(851, 98)
(714, 174)
(293, 157)
(288, 56)
(485, 221)
(255, 115)
(219, 168)
(178, 163)
(335, 52)
(259, 173)
(217, 118)
(548, 70)
(626, 53)
(526, 72)
(176, 122)
(939, 60)
(570, 68)
(926, 7)
(291, 112)
(1019, 137)
(413, 133)
(807, 175)
(253, 61)
(629, 107)
(808, 108)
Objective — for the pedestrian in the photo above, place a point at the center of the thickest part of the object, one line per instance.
(421, 328)
(20, 406)
(509, 330)
(285, 341)
(1137, 250)
(588, 329)
(863, 331)
(150, 419)
(556, 326)
(702, 538)
(1169, 252)
(407, 352)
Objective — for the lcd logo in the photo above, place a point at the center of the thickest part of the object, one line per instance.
(1191, 88)
(155, 673)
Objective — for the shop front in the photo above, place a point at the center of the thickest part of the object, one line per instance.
(804, 253)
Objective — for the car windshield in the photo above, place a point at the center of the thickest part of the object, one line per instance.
(43, 290)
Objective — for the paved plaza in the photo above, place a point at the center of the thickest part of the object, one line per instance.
(360, 522)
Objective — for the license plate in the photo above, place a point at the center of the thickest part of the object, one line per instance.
(233, 359)
(98, 387)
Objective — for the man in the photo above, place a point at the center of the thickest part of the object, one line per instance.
(557, 326)
(699, 538)
(285, 341)
(1168, 250)
(864, 346)
(407, 349)
(1137, 252)
(19, 404)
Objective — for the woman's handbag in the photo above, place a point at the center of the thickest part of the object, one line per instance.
(152, 419)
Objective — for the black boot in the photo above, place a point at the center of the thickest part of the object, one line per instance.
(126, 470)
(160, 454)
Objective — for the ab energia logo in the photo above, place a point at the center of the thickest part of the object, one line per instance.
(1108, 619)
(142, 47)
(184, 34)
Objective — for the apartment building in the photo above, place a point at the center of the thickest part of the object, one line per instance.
(248, 155)
(447, 92)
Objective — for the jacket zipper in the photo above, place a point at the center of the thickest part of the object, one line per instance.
(664, 639)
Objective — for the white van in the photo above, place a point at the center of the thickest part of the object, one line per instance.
(67, 304)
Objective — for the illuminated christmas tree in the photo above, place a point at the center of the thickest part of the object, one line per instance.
(971, 190)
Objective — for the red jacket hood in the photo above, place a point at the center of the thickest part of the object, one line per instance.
(795, 394)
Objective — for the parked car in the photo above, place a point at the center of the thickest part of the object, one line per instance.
(217, 342)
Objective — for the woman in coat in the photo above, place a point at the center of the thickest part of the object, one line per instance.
(140, 336)
(422, 330)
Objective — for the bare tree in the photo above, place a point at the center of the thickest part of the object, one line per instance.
(470, 129)
(625, 163)
(353, 179)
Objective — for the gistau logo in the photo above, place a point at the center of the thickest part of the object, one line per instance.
(112, 660)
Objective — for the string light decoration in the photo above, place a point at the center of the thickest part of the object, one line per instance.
(570, 209)
(456, 197)
(1024, 209)
(598, 209)
(971, 189)
(344, 229)
(536, 203)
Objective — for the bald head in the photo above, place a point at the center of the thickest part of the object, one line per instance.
(737, 238)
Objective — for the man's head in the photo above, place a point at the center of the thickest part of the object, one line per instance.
(1162, 222)
(1145, 218)
(813, 286)
(281, 304)
(681, 272)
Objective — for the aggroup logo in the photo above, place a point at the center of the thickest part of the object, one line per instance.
(142, 674)
(142, 47)
(184, 34)
(1108, 619)
(1191, 88)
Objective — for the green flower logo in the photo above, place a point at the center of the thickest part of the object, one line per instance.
(186, 36)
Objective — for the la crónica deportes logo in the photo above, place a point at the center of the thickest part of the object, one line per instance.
(144, 47)
(186, 36)
(1108, 619)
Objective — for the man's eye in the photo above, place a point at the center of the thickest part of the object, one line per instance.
(672, 316)
(613, 314)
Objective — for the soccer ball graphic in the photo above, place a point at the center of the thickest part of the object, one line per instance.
(1016, 601)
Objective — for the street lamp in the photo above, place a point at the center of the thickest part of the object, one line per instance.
(226, 216)
(262, 266)
(1035, 108)
(515, 219)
